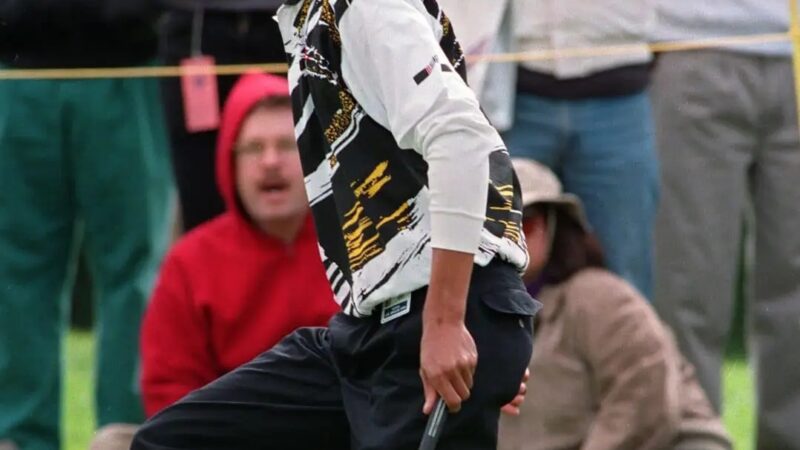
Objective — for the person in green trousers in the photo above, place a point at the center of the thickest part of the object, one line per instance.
(82, 162)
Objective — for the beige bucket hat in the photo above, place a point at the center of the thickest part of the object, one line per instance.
(540, 185)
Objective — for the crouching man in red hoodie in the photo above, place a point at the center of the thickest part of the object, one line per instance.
(235, 286)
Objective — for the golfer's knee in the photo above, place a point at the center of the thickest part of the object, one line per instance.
(146, 437)
(116, 436)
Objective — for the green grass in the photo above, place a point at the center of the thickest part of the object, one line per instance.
(739, 404)
(78, 394)
(79, 409)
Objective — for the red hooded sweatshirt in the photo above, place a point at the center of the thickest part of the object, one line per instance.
(227, 291)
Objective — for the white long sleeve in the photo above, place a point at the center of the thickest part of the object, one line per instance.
(394, 66)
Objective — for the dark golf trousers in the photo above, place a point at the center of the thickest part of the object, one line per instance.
(356, 384)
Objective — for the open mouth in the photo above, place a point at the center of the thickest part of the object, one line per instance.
(275, 186)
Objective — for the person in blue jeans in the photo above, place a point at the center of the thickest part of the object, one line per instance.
(589, 118)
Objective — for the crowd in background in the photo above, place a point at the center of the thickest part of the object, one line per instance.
(637, 173)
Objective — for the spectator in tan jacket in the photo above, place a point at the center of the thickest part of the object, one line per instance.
(606, 373)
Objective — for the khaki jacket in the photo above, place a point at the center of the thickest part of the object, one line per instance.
(606, 374)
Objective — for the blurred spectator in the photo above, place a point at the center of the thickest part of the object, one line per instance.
(728, 137)
(588, 118)
(481, 30)
(78, 159)
(233, 32)
(484, 27)
(235, 286)
(606, 373)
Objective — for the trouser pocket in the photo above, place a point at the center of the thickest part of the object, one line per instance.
(501, 323)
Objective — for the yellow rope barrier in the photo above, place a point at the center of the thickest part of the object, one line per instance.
(659, 47)
(794, 32)
(583, 52)
(135, 72)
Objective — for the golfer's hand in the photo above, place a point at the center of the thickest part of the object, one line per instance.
(512, 409)
(447, 352)
(448, 359)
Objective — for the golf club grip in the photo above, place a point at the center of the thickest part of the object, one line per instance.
(433, 430)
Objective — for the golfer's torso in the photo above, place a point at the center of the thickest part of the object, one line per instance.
(369, 197)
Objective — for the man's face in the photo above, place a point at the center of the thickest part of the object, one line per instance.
(536, 238)
(269, 178)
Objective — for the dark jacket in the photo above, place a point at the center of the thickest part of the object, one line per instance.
(77, 33)
(225, 5)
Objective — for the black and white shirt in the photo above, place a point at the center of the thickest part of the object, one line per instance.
(398, 157)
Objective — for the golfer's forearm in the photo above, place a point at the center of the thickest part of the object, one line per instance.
(447, 292)
(457, 147)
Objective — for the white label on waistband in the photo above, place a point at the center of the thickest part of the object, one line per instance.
(396, 307)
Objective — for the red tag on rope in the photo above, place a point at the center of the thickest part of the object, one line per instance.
(200, 96)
